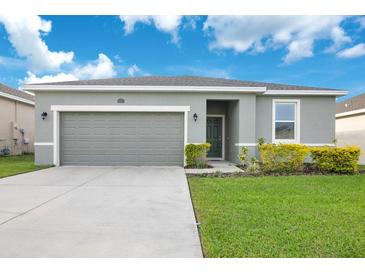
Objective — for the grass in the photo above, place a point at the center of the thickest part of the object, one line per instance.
(361, 167)
(294, 216)
(12, 165)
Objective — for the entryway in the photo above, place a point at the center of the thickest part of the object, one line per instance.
(215, 136)
(222, 129)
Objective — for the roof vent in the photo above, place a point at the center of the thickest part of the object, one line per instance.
(120, 101)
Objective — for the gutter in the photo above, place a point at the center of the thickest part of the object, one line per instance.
(307, 92)
(170, 89)
(350, 113)
(16, 98)
(142, 88)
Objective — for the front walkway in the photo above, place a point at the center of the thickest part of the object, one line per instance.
(216, 166)
(98, 212)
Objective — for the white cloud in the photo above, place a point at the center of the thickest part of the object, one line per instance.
(101, 68)
(299, 49)
(133, 70)
(353, 52)
(165, 23)
(32, 78)
(339, 38)
(259, 33)
(25, 34)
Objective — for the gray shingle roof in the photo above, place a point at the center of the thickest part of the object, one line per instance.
(15, 92)
(354, 103)
(185, 81)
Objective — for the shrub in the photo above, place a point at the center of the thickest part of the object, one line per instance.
(282, 158)
(243, 154)
(196, 155)
(253, 166)
(343, 160)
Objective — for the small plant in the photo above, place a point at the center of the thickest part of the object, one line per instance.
(196, 155)
(253, 166)
(334, 141)
(242, 155)
(261, 141)
(343, 160)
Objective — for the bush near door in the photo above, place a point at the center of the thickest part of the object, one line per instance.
(196, 155)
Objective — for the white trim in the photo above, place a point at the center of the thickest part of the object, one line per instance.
(16, 98)
(78, 108)
(89, 108)
(142, 88)
(186, 113)
(306, 92)
(56, 137)
(349, 113)
(246, 144)
(296, 139)
(305, 144)
(43, 144)
(223, 136)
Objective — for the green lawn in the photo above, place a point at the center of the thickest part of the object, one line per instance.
(297, 216)
(12, 165)
(361, 167)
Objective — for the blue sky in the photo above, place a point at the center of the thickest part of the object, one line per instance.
(326, 51)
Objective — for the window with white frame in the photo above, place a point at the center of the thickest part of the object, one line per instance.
(285, 121)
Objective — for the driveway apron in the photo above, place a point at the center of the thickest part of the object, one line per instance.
(98, 212)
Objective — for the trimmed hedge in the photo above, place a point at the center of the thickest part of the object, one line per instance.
(343, 160)
(282, 158)
(196, 155)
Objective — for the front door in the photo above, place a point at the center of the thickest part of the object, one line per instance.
(214, 136)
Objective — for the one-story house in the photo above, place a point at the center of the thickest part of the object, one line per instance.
(16, 121)
(350, 123)
(149, 120)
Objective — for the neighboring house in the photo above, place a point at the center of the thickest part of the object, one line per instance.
(149, 120)
(350, 123)
(16, 121)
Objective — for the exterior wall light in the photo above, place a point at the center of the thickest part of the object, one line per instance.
(195, 116)
(44, 115)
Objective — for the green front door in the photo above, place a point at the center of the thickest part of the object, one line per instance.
(214, 136)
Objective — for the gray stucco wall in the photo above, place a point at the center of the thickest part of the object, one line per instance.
(233, 133)
(317, 118)
(248, 116)
(196, 101)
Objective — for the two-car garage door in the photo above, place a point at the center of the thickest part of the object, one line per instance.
(121, 138)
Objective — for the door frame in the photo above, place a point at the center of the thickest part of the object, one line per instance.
(223, 116)
(57, 109)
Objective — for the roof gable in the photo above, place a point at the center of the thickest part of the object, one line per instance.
(353, 103)
(183, 81)
(15, 94)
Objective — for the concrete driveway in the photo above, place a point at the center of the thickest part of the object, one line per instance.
(98, 212)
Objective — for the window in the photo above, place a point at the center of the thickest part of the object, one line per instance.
(285, 121)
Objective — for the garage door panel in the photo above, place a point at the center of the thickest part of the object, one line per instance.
(122, 138)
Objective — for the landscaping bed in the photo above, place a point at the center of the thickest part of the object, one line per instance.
(13, 165)
(287, 216)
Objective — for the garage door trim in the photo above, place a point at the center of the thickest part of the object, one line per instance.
(56, 109)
